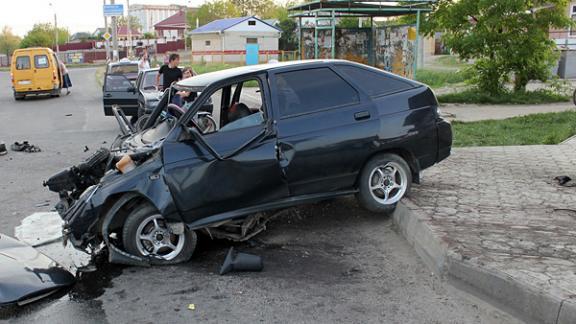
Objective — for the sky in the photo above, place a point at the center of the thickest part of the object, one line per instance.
(76, 15)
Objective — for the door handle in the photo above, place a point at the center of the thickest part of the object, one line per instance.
(362, 115)
(108, 95)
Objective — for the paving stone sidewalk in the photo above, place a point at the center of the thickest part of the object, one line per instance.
(471, 112)
(499, 209)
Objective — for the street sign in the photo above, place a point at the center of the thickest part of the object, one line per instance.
(113, 10)
(107, 36)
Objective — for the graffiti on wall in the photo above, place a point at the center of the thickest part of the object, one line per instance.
(385, 47)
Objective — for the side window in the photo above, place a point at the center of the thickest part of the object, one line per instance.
(118, 83)
(41, 61)
(22, 63)
(374, 83)
(235, 106)
(310, 90)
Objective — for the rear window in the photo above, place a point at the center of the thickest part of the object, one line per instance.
(124, 69)
(311, 90)
(374, 83)
(41, 61)
(22, 63)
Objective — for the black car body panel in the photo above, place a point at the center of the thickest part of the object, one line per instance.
(148, 94)
(201, 180)
(26, 274)
(119, 88)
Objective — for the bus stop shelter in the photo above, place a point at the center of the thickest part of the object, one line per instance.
(326, 13)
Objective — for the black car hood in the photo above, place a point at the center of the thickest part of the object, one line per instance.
(26, 274)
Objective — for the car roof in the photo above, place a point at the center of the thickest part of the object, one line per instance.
(123, 63)
(203, 80)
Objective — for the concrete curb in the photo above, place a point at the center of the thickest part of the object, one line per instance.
(529, 301)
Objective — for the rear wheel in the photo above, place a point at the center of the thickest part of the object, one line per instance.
(385, 179)
(18, 96)
(146, 234)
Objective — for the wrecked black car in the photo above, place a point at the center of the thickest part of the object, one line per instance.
(256, 139)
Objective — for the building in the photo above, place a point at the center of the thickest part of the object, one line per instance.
(240, 40)
(122, 33)
(149, 15)
(172, 28)
(566, 38)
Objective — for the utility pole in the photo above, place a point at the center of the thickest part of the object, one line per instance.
(55, 28)
(56, 32)
(106, 41)
(115, 54)
(129, 49)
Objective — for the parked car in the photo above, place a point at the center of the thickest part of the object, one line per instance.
(120, 88)
(257, 138)
(35, 71)
(148, 93)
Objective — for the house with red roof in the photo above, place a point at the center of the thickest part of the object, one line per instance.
(122, 33)
(172, 28)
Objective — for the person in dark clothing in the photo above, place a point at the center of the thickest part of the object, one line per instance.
(171, 72)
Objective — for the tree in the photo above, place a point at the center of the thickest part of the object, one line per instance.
(43, 35)
(8, 41)
(134, 22)
(213, 10)
(149, 35)
(504, 37)
(288, 39)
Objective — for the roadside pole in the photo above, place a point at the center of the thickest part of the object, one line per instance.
(129, 48)
(55, 28)
(106, 41)
(115, 54)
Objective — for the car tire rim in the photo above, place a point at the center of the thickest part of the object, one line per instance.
(154, 238)
(388, 183)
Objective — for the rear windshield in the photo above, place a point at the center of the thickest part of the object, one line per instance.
(374, 83)
(22, 63)
(41, 61)
(124, 69)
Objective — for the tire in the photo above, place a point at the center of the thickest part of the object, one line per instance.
(379, 187)
(18, 97)
(56, 94)
(574, 97)
(146, 220)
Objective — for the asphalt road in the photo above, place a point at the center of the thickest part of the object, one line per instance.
(327, 262)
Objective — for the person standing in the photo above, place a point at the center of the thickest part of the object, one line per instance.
(144, 63)
(66, 83)
(170, 72)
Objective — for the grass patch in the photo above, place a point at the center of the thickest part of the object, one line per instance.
(475, 96)
(548, 128)
(210, 67)
(100, 75)
(440, 78)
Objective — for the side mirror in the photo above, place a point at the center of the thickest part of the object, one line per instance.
(132, 89)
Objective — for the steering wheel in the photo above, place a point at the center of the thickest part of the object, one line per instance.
(205, 122)
(175, 110)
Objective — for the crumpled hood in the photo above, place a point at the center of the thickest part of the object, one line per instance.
(26, 274)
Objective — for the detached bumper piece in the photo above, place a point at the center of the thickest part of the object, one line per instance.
(27, 275)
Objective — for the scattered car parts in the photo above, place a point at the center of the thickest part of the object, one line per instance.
(238, 261)
(27, 275)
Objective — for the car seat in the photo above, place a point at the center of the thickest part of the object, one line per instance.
(237, 111)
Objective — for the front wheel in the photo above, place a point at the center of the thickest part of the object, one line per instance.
(385, 179)
(574, 97)
(146, 234)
